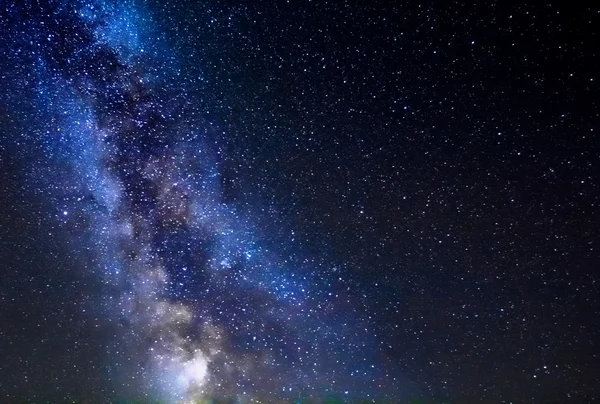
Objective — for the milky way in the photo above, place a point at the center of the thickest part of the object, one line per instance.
(202, 309)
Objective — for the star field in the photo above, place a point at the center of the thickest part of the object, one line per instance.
(318, 202)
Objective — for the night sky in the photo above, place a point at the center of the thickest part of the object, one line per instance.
(299, 202)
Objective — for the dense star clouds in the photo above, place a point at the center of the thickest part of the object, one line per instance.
(277, 202)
